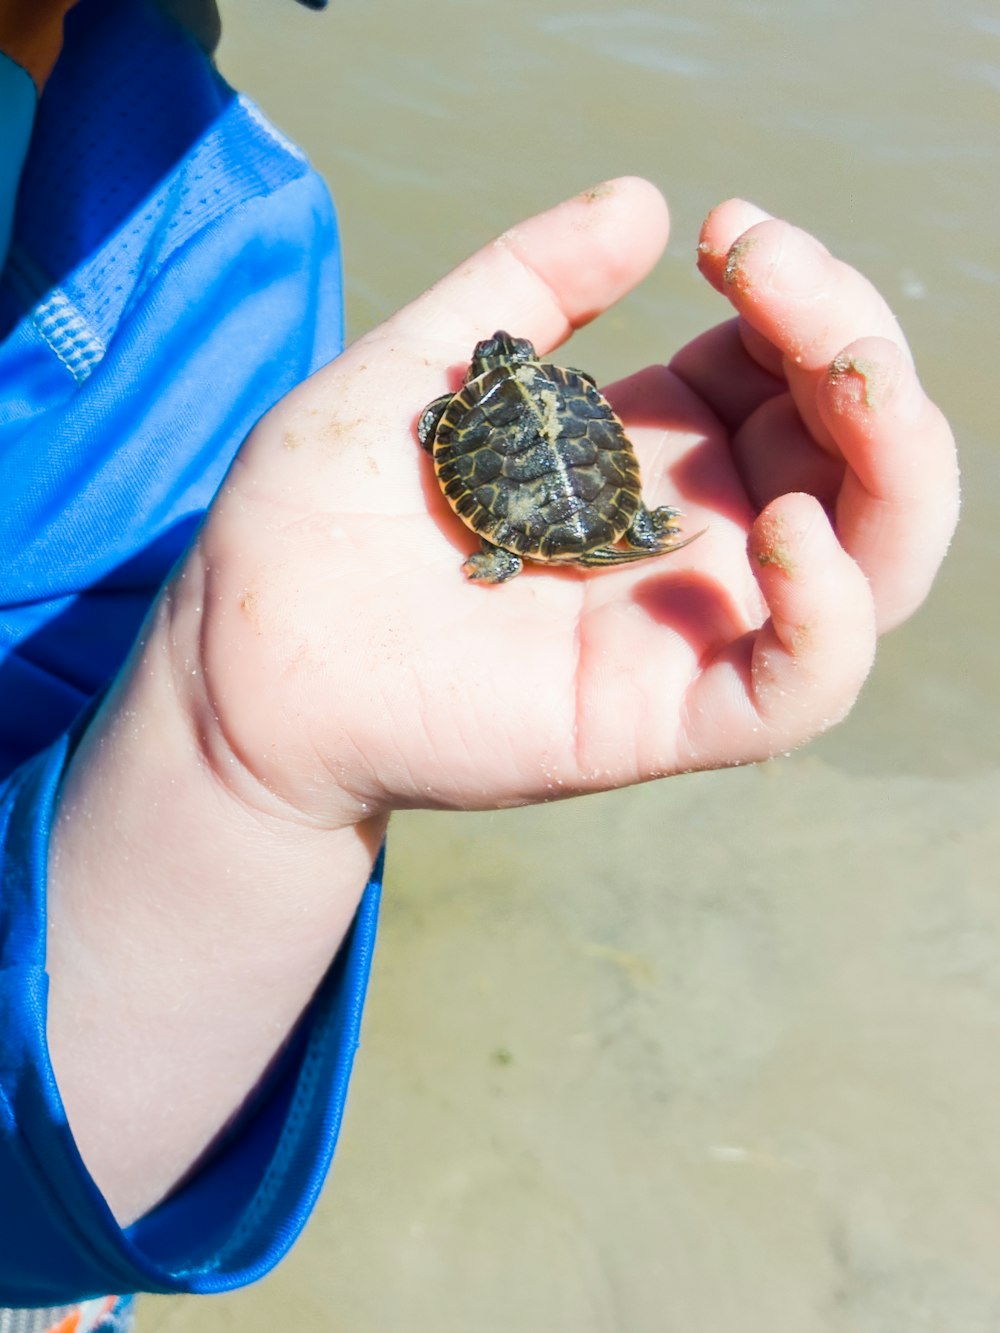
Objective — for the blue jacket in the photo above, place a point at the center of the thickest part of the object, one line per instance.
(174, 270)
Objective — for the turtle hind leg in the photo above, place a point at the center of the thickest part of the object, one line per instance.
(653, 529)
(652, 532)
(492, 564)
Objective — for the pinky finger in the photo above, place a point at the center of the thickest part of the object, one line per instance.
(802, 670)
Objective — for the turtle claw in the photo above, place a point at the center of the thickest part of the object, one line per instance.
(653, 529)
(427, 423)
(492, 565)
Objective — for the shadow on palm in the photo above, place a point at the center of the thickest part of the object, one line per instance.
(700, 592)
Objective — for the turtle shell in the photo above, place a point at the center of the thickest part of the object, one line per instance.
(532, 457)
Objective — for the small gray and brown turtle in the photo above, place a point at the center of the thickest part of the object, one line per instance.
(532, 457)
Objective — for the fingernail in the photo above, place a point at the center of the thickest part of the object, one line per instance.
(877, 383)
(741, 215)
(735, 272)
(597, 192)
(861, 380)
(773, 544)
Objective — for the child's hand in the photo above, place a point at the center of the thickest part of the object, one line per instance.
(354, 668)
(321, 658)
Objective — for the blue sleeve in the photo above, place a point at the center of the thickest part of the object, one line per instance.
(102, 488)
(243, 1210)
(17, 115)
(174, 270)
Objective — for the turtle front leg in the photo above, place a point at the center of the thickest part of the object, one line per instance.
(429, 418)
(492, 565)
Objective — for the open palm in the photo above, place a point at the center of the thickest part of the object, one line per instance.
(319, 658)
(353, 668)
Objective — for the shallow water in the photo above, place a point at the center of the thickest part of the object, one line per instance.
(720, 1053)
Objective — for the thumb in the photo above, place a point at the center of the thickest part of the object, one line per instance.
(547, 276)
(539, 280)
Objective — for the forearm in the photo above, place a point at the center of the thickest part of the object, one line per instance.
(191, 917)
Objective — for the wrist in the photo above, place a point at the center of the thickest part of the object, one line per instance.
(256, 667)
(191, 919)
(158, 754)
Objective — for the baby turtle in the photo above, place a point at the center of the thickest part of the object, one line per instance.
(533, 459)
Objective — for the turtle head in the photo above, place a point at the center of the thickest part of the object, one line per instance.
(500, 350)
